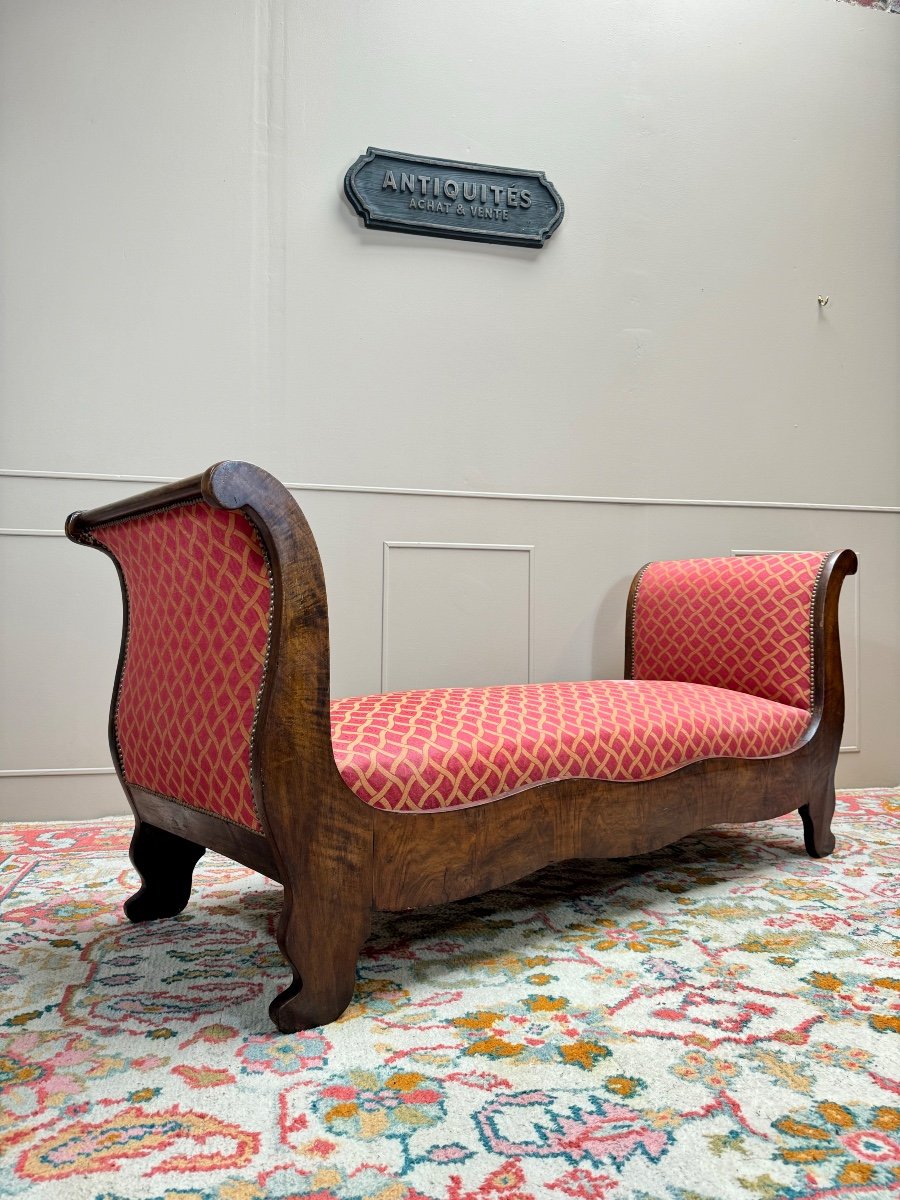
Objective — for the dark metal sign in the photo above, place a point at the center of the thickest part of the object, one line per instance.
(441, 198)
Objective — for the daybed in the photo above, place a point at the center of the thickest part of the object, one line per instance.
(224, 735)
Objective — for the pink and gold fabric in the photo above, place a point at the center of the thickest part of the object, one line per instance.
(199, 592)
(743, 623)
(448, 748)
(722, 669)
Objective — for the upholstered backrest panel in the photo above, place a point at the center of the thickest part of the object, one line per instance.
(199, 594)
(743, 623)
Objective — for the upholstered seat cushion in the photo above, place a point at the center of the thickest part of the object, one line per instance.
(448, 748)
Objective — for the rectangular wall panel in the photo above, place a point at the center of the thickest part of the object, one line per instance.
(59, 644)
(455, 615)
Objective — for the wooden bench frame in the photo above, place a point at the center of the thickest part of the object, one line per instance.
(338, 859)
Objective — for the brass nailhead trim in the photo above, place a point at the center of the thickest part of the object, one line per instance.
(634, 613)
(812, 634)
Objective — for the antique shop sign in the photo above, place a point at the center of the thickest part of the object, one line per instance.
(441, 198)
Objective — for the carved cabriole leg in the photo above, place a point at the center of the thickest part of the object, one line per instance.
(165, 863)
(327, 912)
(816, 817)
(321, 935)
(816, 814)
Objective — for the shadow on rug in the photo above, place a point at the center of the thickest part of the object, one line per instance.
(718, 1019)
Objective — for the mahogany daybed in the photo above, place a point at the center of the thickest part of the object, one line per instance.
(224, 736)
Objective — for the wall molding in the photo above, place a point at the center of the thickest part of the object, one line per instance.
(544, 497)
(385, 579)
(268, 225)
(852, 585)
(28, 772)
(32, 532)
(90, 476)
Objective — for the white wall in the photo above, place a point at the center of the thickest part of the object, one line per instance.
(183, 281)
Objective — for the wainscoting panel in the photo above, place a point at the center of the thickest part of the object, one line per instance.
(456, 615)
(423, 590)
(59, 642)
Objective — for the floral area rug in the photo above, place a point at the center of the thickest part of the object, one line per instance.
(714, 1020)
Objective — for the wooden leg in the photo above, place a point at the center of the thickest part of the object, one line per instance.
(165, 863)
(321, 941)
(816, 817)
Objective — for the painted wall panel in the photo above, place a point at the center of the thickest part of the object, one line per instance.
(455, 615)
(62, 797)
(183, 280)
(128, 218)
(58, 669)
(715, 161)
(59, 644)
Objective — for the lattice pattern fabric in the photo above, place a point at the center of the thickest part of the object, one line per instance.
(742, 623)
(199, 592)
(447, 748)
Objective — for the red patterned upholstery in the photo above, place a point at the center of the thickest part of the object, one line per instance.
(199, 590)
(741, 623)
(415, 751)
(722, 669)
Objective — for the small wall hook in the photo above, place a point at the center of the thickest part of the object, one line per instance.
(823, 300)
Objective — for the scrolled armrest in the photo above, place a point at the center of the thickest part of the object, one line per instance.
(748, 623)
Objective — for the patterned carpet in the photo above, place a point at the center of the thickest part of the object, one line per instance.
(714, 1020)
